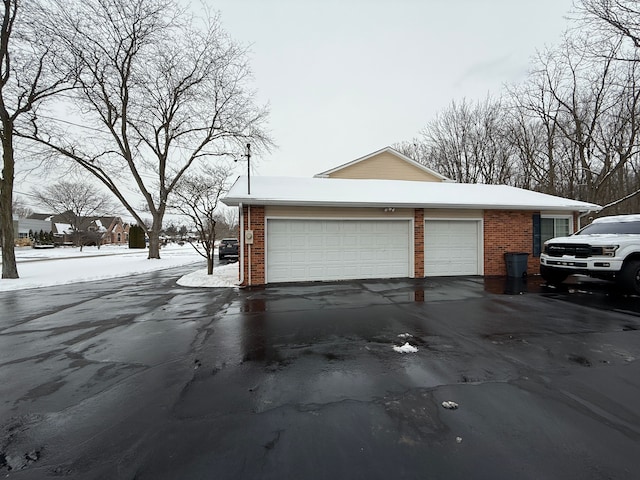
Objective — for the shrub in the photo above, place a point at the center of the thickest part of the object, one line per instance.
(136, 237)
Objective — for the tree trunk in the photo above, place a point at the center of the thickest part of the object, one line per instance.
(9, 267)
(210, 264)
(154, 238)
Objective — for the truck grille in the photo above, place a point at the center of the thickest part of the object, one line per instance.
(575, 250)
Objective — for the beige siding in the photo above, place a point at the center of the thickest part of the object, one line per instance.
(384, 166)
(452, 214)
(328, 212)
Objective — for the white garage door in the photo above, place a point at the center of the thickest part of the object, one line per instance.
(451, 247)
(305, 250)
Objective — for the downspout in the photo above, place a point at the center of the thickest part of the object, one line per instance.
(241, 243)
(249, 228)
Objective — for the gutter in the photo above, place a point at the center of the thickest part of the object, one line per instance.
(447, 206)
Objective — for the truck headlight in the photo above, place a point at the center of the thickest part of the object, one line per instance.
(609, 250)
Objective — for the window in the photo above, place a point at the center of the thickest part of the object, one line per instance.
(546, 227)
(554, 227)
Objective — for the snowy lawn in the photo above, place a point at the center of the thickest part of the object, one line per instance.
(65, 265)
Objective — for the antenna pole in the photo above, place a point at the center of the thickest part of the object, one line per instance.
(248, 155)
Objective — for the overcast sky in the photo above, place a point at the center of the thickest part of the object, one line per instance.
(345, 78)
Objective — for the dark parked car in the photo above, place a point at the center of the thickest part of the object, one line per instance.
(228, 248)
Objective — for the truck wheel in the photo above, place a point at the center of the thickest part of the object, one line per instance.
(629, 277)
(553, 276)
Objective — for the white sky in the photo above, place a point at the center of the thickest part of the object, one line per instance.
(345, 78)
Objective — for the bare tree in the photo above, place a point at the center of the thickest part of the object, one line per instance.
(466, 143)
(613, 18)
(196, 196)
(28, 75)
(77, 203)
(229, 218)
(575, 122)
(20, 208)
(161, 94)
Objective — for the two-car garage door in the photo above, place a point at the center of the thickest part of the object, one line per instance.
(308, 250)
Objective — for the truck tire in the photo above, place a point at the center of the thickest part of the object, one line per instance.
(553, 275)
(629, 277)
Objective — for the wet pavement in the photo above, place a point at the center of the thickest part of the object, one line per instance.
(139, 378)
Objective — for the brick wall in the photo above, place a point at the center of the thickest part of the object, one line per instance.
(254, 264)
(507, 231)
(418, 246)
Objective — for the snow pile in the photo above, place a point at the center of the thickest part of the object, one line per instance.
(223, 276)
(450, 405)
(406, 348)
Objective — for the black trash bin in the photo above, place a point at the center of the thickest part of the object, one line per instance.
(516, 264)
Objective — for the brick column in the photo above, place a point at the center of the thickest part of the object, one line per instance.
(418, 243)
(254, 220)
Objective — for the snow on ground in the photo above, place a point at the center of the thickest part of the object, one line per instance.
(406, 348)
(66, 265)
(223, 276)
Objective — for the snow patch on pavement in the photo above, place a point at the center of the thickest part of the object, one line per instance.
(406, 348)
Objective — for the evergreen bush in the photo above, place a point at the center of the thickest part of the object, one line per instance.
(136, 237)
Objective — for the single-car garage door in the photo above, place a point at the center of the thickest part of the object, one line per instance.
(307, 250)
(451, 247)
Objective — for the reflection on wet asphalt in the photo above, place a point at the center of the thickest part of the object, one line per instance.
(140, 378)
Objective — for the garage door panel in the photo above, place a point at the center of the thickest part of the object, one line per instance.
(337, 249)
(297, 241)
(451, 247)
(367, 241)
(296, 257)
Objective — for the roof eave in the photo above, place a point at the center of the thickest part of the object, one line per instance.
(235, 201)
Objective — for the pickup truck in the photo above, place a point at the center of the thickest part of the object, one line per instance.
(608, 248)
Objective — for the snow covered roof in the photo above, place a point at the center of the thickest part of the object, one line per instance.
(63, 228)
(334, 192)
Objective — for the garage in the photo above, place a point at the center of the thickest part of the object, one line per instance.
(452, 247)
(311, 250)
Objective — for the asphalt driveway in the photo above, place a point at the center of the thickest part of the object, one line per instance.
(142, 379)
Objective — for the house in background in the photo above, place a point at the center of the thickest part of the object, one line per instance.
(386, 216)
(116, 232)
(106, 230)
(34, 223)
